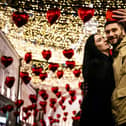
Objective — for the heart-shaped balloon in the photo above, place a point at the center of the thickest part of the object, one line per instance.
(9, 81)
(33, 98)
(43, 104)
(67, 87)
(53, 66)
(68, 53)
(85, 13)
(25, 77)
(6, 60)
(28, 57)
(55, 89)
(10, 108)
(37, 70)
(70, 64)
(109, 15)
(46, 54)
(20, 18)
(77, 72)
(43, 76)
(59, 73)
(53, 15)
(58, 94)
(19, 103)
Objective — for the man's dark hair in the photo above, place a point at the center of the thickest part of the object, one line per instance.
(123, 25)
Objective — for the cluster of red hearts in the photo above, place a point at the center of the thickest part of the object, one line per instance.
(33, 107)
(85, 14)
(59, 99)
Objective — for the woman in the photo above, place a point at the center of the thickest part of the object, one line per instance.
(98, 74)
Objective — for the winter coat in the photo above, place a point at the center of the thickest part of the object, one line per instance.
(96, 105)
(119, 94)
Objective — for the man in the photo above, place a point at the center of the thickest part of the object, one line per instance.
(115, 33)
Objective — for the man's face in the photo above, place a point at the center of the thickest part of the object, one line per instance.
(114, 32)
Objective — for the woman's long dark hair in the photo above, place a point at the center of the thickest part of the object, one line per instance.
(91, 52)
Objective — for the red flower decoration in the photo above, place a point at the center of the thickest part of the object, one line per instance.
(28, 57)
(33, 98)
(6, 61)
(43, 76)
(53, 66)
(109, 15)
(68, 53)
(53, 15)
(20, 18)
(9, 81)
(70, 64)
(77, 72)
(46, 54)
(60, 73)
(85, 13)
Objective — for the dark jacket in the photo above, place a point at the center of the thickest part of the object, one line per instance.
(96, 105)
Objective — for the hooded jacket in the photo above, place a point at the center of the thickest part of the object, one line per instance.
(119, 93)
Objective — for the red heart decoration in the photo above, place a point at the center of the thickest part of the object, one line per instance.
(109, 15)
(59, 73)
(46, 54)
(53, 15)
(43, 76)
(6, 61)
(53, 66)
(25, 109)
(25, 77)
(10, 108)
(85, 13)
(70, 64)
(36, 70)
(28, 57)
(77, 72)
(63, 107)
(70, 102)
(67, 87)
(58, 115)
(65, 113)
(73, 98)
(58, 94)
(4, 109)
(72, 93)
(53, 101)
(74, 112)
(80, 85)
(20, 18)
(9, 81)
(19, 103)
(35, 113)
(43, 104)
(33, 98)
(68, 53)
(54, 89)
(34, 106)
(64, 119)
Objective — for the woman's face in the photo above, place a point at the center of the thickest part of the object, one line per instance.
(101, 43)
